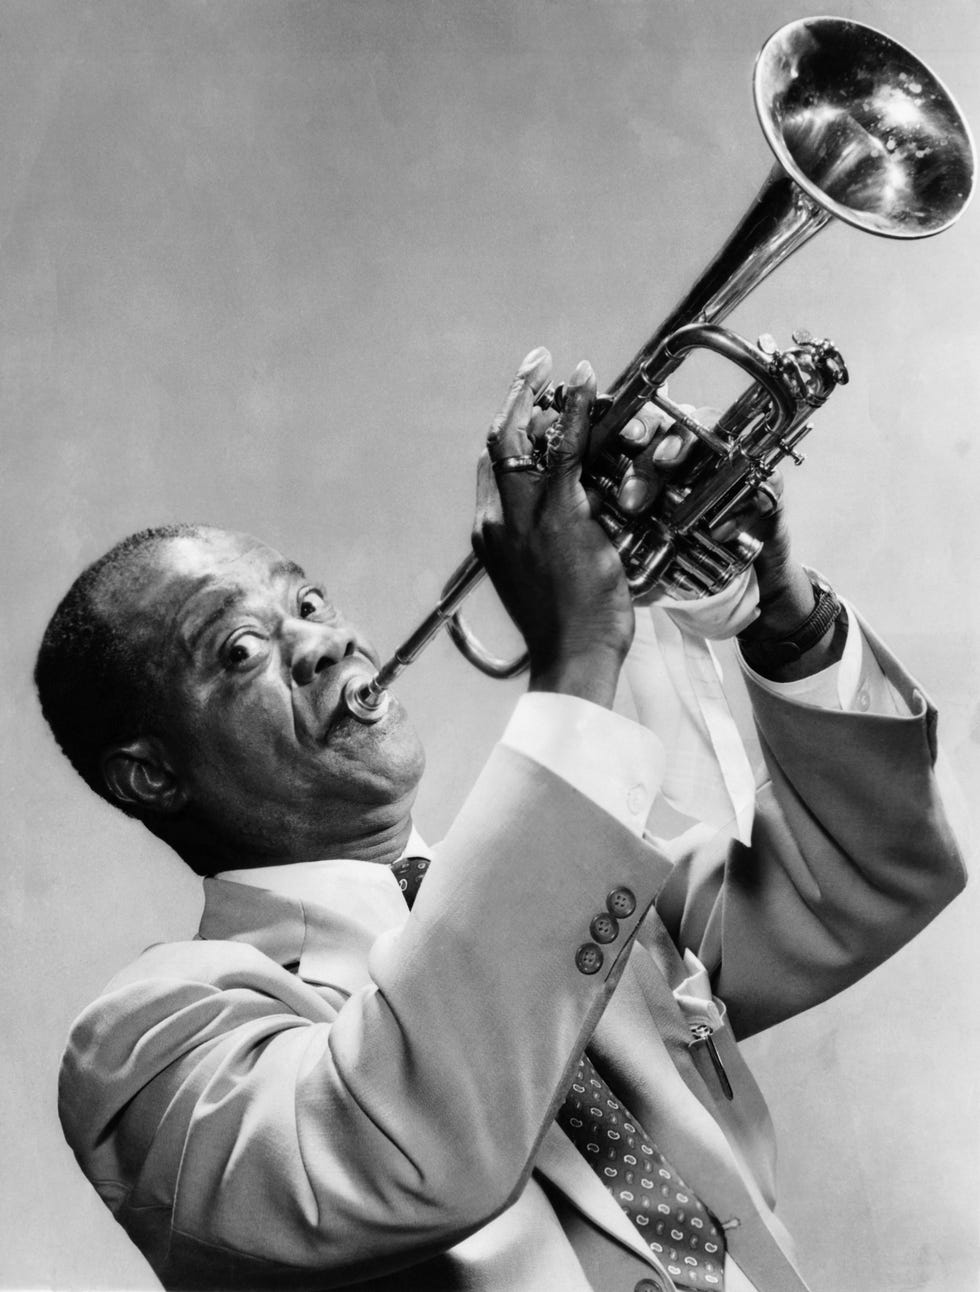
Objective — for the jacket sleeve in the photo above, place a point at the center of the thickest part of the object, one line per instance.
(852, 854)
(212, 1113)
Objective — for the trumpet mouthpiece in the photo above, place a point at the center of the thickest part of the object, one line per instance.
(365, 701)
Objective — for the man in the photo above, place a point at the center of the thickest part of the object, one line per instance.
(325, 1090)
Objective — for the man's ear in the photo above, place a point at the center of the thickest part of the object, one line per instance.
(139, 773)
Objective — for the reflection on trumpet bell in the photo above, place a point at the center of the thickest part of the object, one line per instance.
(864, 127)
(862, 131)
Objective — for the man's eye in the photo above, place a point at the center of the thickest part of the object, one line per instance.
(241, 651)
(311, 602)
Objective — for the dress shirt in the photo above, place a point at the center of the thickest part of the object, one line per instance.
(674, 683)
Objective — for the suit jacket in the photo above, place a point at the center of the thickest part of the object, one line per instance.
(322, 1096)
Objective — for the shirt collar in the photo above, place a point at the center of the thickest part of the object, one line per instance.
(314, 881)
(325, 915)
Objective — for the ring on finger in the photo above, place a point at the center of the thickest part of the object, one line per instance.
(768, 492)
(517, 462)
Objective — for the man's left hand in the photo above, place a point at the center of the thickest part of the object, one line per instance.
(660, 450)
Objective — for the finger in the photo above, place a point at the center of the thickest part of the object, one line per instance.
(519, 478)
(542, 420)
(570, 434)
(675, 447)
(640, 431)
(487, 497)
(508, 436)
(667, 447)
(756, 515)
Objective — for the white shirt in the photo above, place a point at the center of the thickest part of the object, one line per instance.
(673, 732)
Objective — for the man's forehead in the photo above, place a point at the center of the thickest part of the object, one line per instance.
(183, 569)
(219, 554)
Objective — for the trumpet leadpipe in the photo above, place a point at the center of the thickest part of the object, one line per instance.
(368, 700)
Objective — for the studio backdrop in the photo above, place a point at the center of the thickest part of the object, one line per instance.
(270, 264)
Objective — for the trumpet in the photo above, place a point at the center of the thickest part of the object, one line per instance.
(863, 132)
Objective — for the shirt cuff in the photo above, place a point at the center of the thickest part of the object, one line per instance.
(853, 684)
(723, 614)
(616, 763)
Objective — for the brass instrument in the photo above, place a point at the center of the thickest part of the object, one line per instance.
(862, 131)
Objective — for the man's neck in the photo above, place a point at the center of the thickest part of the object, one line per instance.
(381, 841)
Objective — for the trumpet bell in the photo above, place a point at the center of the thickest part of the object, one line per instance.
(869, 132)
(862, 131)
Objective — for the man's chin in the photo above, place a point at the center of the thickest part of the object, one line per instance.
(388, 750)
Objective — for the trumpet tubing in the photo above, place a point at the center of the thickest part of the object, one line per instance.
(863, 132)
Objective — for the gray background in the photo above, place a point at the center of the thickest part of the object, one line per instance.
(271, 265)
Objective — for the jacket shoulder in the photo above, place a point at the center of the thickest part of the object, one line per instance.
(174, 999)
(222, 964)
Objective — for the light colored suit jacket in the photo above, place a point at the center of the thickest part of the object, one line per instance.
(324, 1096)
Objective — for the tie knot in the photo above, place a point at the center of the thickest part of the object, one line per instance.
(410, 871)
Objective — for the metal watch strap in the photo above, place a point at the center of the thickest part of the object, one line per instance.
(771, 651)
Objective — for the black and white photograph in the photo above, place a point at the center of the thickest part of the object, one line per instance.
(492, 673)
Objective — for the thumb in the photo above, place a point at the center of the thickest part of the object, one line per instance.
(569, 437)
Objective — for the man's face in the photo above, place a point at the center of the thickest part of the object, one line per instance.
(253, 658)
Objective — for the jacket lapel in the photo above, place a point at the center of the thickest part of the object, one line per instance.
(560, 1161)
(651, 1070)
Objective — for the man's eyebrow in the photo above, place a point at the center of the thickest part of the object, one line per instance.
(280, 570)
(227, 602)
(285, 569)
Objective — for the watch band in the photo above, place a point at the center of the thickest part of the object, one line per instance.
(773, 651)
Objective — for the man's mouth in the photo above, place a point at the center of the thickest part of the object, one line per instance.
(328, 705)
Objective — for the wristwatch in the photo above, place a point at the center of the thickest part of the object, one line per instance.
(772, 651)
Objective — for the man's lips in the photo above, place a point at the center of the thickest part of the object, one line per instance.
(324, 696)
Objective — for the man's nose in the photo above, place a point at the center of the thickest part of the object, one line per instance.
(315, 646)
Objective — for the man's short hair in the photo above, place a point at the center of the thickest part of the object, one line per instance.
(94, 689)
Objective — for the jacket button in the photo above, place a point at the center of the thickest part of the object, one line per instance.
(621, 903)
(604, 928)
(588, 958)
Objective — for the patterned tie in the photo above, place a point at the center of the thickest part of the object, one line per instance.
(669, 1217)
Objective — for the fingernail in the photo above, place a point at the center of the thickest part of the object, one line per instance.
(633, 432)
(582, 375)
(633, 493)
(532, 359)
(668, 450)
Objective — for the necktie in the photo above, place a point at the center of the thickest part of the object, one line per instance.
(669, 1217)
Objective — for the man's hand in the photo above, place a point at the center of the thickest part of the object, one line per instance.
(659, 449)
(550, 561)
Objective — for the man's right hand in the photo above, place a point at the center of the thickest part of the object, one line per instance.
(550, 561)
